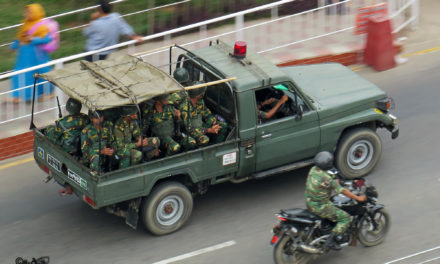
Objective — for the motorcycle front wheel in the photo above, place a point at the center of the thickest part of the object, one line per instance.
(284, 253)
(370, 236)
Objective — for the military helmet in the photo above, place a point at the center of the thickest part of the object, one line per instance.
(181, 75)
(128, 110)
(161, 97)
(324, 160)
(73, 106)
(197, 91)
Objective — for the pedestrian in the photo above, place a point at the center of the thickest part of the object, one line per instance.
(104, 30)
(30, 37)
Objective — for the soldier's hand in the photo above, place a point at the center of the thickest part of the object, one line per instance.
(139, 143)
(361, 198)
(107, 151)
(177, 113)
(214, 129)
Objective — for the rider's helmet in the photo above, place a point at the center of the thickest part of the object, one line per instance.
(193, 93)
(181, 75)
(73, 106)
(324, 160)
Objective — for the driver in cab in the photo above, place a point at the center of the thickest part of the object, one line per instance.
(276, 103)
(271, 100)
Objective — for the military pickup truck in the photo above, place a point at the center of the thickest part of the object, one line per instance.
(329, 107)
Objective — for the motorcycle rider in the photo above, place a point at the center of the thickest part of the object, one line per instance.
(319, 187)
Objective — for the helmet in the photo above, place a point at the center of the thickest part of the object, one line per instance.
(73, 106)
(181, 75)
(128, 110)
(197, 91)
(161, 97)
(324, 160)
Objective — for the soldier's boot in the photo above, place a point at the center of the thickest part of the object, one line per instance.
(332, 242)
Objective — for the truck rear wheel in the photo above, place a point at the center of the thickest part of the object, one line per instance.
(167, 208)
(358, 152)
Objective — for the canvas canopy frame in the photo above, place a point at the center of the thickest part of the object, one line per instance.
(119, 81)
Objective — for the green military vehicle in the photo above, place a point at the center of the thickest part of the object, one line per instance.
(329, 107)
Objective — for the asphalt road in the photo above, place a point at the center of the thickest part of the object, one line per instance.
(35, 221)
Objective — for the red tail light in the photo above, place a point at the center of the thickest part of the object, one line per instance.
(281, 218)
(89, 201)
(274, 239)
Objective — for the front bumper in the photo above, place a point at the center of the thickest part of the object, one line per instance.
(394, 127)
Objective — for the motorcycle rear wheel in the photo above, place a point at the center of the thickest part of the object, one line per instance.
(370, 237)
(284, 254)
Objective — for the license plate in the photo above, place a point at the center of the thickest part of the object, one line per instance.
(77, 179)
(53, 162)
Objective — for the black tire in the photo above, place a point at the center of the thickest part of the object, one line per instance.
(383, 219)
(358, 152)
(171, 196)
(282, 254)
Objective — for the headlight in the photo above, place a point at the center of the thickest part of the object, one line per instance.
(384, 104)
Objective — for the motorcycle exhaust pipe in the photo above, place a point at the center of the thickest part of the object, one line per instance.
(309, 249)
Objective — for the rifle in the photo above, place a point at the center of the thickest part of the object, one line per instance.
(59, 108)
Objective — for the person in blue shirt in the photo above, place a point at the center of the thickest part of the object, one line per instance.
(104, 30)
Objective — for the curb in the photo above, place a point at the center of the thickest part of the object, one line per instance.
(23, 143)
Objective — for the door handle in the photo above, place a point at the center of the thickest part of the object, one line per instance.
(266, 136)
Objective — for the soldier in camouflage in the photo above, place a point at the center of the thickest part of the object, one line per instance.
(319, 187)
(128, 139)
(199, 121)
(90, 142)
(66, 131)
(162, 119)
(182, 76)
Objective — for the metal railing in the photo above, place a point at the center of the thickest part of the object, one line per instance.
(290, 30)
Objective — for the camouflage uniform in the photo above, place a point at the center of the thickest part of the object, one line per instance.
(126, 136)
(177, 98)
(199, 120)
(90, 144)
(162, 125)
(66, 130)
(319, 187)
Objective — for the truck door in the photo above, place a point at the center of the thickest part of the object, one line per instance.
(286, 137)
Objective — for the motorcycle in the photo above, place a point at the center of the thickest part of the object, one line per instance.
(301, 236)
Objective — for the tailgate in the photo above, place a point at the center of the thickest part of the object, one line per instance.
(64, 168)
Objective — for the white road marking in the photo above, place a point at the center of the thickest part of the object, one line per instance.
(429, 260)
(413, 255)
(197, 252)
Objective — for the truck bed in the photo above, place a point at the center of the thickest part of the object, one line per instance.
(138, 180)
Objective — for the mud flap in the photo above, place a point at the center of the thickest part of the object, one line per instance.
(132, 217)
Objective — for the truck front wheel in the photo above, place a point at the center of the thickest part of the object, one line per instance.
(358, 152)
(167, 208)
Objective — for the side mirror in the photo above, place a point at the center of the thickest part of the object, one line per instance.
(299, 112)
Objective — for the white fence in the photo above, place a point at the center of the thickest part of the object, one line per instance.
(289, 30)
